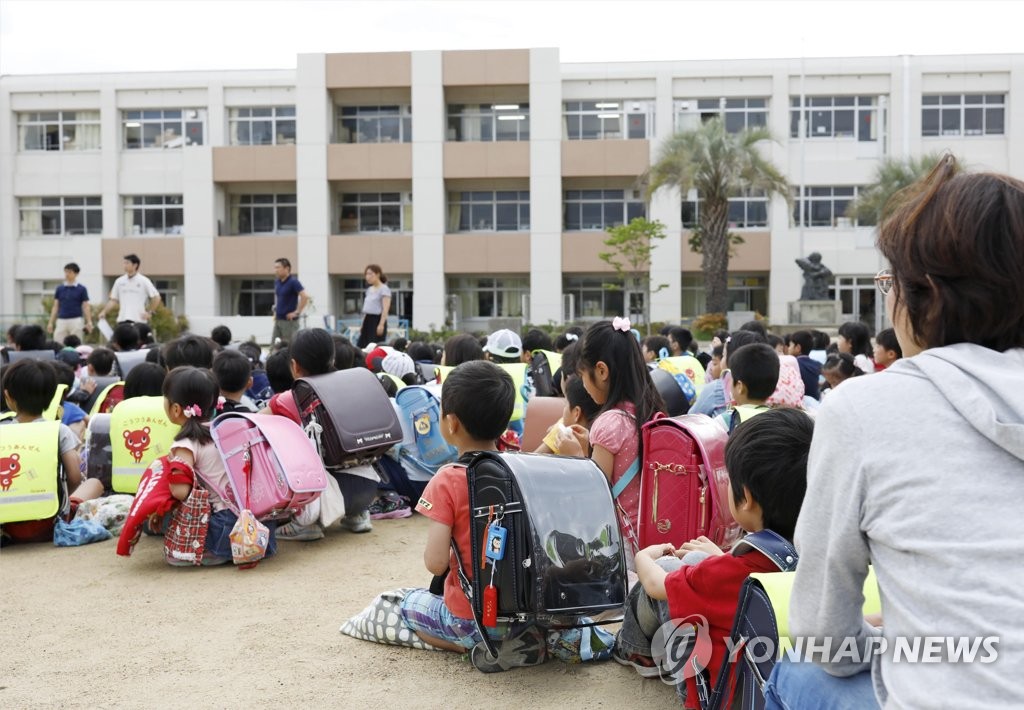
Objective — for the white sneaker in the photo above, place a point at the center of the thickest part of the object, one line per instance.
(359, 523)
(304, 533)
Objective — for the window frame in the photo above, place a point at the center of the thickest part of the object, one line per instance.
(587, 197)
(504, 295)
(277, 117)
(140, 119)
(61, 123)
(943, 104)
(747, 200)
(372, 112)
(816, 109)
(474, 202)
(90, 206)
(359, 201)
(820, 199)
(723, 108)
(607, 110)
(517, 116)
(278, 201)
(166, 205)
(252, 288)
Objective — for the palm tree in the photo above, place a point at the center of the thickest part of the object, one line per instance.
(873, 202)
(719, 165)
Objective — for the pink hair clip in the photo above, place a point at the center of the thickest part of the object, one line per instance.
(622, 324)
(220, 403)
(193, 410)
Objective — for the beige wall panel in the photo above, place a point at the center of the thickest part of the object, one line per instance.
(369, 161)
(246, 256)
(160, 256)
(580, 250)
(254, 163)
(754, 254)
(486, 67)
(493, 253)
(350, 253)
(369, 69)
(600, 158)
(487, 160)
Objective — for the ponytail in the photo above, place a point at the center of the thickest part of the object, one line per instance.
(195, 390)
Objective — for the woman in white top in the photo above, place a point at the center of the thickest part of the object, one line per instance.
(375, 307)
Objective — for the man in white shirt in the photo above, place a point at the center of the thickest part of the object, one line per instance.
(134, 293)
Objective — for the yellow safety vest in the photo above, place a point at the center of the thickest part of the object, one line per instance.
(53, 410)
(97, 405)
(687, 365)
(518, 372)
(554, 359)
(139, 433)
(442, 372)
(29, 480)
(399, 383)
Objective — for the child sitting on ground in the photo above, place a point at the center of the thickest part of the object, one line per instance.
(654, 347)
(887, 349)
(580, 408)
(755, 374)
(234, 377)
(767, 462)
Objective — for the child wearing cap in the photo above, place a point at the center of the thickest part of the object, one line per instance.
(505, 348)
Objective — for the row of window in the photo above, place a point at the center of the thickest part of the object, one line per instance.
(474, 211)
(853, 117)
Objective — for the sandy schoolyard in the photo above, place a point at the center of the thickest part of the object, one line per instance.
(84, 628)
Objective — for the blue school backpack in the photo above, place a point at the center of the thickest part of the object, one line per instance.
(422, 447)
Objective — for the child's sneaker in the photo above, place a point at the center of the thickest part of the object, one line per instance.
(304, 533)
(389, 506)
(358, 523)
(644, 665)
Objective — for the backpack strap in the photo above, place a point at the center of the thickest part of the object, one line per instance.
(772, 545)
(627, 478)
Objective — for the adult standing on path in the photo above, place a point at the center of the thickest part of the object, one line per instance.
(133, 293)
(70, 304)
(376, 305)
(290, 299)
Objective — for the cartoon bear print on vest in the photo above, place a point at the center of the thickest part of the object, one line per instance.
(9, 470)
(137, 442)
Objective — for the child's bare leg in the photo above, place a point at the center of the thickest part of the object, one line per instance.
(89, 488)
(440, 643)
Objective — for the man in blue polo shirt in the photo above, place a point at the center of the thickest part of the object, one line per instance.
(70, 304)
(290, 299)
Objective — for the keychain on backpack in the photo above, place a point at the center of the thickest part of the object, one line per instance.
(494, 551)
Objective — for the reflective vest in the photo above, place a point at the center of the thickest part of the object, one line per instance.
(554, 359)
(100, 406)
(139, 433)
(442, 372)
(399, 383)
(518, 372)
(685, 365)
(29, 475)
(743, 412)
(53, 410)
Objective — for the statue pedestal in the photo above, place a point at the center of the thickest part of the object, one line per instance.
(814, 312)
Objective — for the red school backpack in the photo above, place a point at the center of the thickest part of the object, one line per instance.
(684, 485)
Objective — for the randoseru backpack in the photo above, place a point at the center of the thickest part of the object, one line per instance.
(422, 447)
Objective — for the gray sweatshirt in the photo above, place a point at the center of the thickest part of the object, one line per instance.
(919, 471)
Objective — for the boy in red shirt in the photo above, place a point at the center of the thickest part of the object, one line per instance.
(767, 462)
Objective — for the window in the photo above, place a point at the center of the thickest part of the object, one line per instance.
(491, 297)
(745, 292)
(263, 214)
(250, 297)
(267, 125)
(600, 209)
(376, 212)
(489, 122)
(739, 114)
(163, 128)
(600, 120)
(170, 293)
(825, 207)
(60, 215)
(59, 130)
(501, 211)
(836, 117)
(153, 214)
(594, 296)
(963, 115)
(859, 298)
(353, 290)
(745, 211)
(34, 292)
(375, 124)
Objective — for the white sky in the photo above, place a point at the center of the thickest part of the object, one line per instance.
(50, 36)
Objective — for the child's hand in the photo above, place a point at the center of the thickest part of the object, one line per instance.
(567, 443)
(88, 385)
(700, 544)
(582, 436)
(656, 552)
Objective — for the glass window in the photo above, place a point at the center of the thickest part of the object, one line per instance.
(608, 119)
(745, 292)
(59, 130)
(250, 297)
(739, 114)
(264, 214)
(825, 206)
(269, 125)
(598, 210)
(489, 297)
(746, 211)
(963, 115)
(60, 216)
(374, 124)
(485, 211)
(489, 122)
(375, 212)
(854, 117)
(163, 128)
(153, 214)
(595, 297)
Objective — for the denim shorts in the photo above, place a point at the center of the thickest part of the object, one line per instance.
(425, 612)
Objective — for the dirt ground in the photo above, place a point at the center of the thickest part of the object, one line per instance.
(84, 628)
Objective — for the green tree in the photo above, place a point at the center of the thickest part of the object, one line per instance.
(631, 245)
(719, 165)
(874, 202)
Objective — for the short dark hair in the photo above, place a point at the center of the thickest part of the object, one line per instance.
(755, 326)
(858, 335)
(31, 384)
(774, 340)
(577, 396)
(803, 338)
(564, 340)
(887, 339)
(482, 396)
(312, 349)
(740, 338)
(655, 343)
(72, 341)
(133, 258)
(279, 371)
(843, 363)
(757, 366)
(718, 351)
(65, 374)
(821, 339)
(72, 266)
(102, 361)
(252, 351)
(955, 242)
(125, 337)
(190, 350)
(346, 355)
(30, 337)
(232, 370)
(221, 335)
(145, 331)
(768, 455)
(462, 348)
(682, 337)
(155, 357)
(420, 352)
(284, 262)
(145, 380)
(536, 339)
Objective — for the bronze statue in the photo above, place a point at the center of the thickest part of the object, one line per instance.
(817, 278)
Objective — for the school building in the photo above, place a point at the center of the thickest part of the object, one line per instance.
(481, 181)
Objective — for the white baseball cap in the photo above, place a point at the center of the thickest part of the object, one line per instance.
(504, 343)
(398, 364)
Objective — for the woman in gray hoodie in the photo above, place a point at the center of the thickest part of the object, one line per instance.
(919, 471)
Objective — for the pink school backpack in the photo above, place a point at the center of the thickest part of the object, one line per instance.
(271, 459)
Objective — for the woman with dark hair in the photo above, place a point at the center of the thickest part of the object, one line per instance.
(917, 471)
(376, 305)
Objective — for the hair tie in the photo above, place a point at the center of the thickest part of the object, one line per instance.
(572, 337)
(220, 403)
(621, 324)
(193, 410)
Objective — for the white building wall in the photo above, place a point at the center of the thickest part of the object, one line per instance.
(545, 188)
